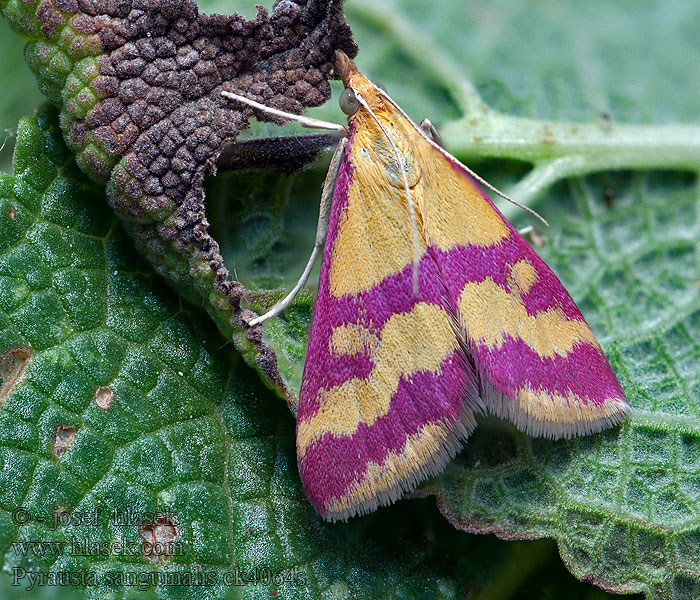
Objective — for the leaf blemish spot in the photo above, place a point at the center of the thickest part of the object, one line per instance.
(104, 397)
(159, 538)
(13, 367)
(605, 120)
(63, 439)
(547, 137)
(11, 213)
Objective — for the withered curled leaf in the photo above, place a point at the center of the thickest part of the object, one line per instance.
(139, 86)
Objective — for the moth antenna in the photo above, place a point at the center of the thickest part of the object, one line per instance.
(407, 190)
(309, 122)
(8, 135)
(445, 153)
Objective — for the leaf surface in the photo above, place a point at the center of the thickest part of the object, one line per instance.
(623, 505)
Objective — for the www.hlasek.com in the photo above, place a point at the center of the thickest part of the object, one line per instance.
(89, 548)
(144, 579)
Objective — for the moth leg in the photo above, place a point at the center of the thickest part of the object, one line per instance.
(428, 128)
(534, 236)
(321, 230)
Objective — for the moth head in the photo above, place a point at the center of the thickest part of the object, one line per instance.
(358, 86)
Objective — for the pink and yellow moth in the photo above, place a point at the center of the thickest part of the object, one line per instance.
(431, 308)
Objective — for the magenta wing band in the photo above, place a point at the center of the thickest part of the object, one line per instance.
(426, 399)
(538, 363)
(395, 371)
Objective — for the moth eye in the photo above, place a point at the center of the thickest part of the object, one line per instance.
(348, 102)
(380, 85)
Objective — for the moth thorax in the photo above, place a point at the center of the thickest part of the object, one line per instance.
(394, 169)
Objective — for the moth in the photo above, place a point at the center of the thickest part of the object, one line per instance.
(431, 308)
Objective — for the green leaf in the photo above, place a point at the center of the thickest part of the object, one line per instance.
(121, 401)
(622, 505)
(17, 99)
(139, 91)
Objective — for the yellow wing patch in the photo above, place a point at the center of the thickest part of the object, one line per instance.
(544, 405)
(522, 276)
(352, 339)
(549, 332)
(453, 211)
(362, 258)
(449, 208)
(419, 340)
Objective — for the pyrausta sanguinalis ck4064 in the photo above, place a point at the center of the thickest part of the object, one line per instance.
(431, 308)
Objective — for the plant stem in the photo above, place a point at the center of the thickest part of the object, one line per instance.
(559, 150)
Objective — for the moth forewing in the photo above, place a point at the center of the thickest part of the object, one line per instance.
(438, 146)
